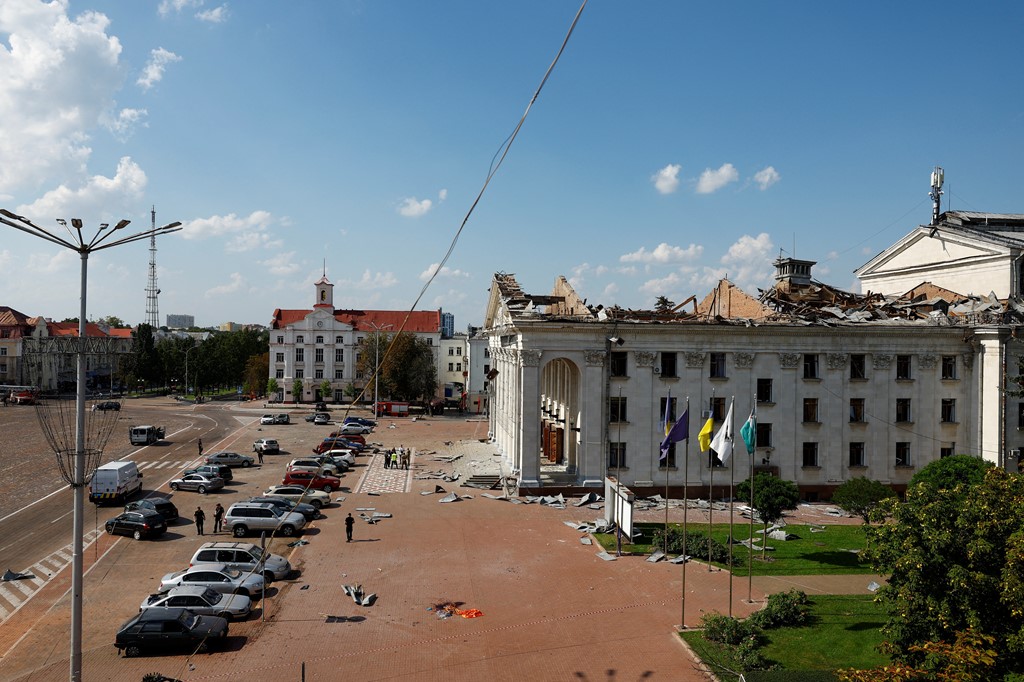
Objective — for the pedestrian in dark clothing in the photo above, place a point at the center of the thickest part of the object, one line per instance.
(387, 459)
(349, 522)
(259, 453)
(200, 447)
(200, 517)
(218, 518)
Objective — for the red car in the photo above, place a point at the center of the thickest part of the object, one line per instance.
(309, 479)
(354, 437)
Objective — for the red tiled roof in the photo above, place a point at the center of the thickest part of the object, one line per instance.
(71, 329)
(420, 321)
(11, 317)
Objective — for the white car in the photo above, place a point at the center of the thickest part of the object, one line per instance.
(296, 493)
(306, 464)
(354, 429)
(267, 419)
(346, 456)
(218, 577)
(202, 600)
(267, 446)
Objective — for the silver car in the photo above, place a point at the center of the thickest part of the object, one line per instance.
(202, 600)
(218, 577)
(231, 459)
(201, 483)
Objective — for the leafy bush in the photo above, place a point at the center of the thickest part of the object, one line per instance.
(696, 545)
(783, 609)
(728, 630)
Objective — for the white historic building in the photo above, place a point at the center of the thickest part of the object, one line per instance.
(313, 345)
(844, 385)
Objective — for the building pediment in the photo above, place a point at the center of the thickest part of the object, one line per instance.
(929, 248)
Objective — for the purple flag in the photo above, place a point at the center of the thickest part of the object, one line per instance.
(680, 431)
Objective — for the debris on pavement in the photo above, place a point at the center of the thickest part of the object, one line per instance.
(356, 592)
(450, 497)
(655, 557)
(10, 575)
(447, 609)
(606, 556)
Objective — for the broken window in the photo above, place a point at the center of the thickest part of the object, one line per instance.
(949, 367)
(616, 455)
(858, 367)
(810, 366)
(617, 411)
(618, 363)
(811, 410)
(810, 454)
(903, 367)
(856, 409)
(764, 390)
(903, 409)
(668, 364)
(857, 454)
(948, 410)
(902, 454)
(718, 365)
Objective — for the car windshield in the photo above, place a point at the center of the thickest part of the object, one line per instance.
(211, 596)
(255, 553)
(188, 619)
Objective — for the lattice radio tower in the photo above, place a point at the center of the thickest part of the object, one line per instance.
(152, 291)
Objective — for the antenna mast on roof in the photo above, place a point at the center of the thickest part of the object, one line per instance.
(938, 176)
(152, 309)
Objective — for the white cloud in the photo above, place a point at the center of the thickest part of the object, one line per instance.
(666, 180)
(411, 208)
(628, 270)
(714, 180)
(662, 286)
(831, 255)
(610, 291)
(126, 122)
(281, 264)
(168, 6)
(58, 75)
(766, 177)
(236, 285)
(442, 195)
(218, 15)
(153, 72)
(246, 233)
(99, 196)
(445, 272)
(747, 264)
(663, 253)
(378, 280)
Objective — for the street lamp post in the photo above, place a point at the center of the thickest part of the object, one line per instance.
(83, 246)
(376, 360)
(187, 351)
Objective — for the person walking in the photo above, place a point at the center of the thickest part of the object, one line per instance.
(200, 517)
(259, 454)
(200, 447)
(406, 456)
(218, 518)
(349, 522)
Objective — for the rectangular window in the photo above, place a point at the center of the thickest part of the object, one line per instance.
(3, 350)
(810, 454)
(618, 364)
(458, 366)
(299, 374)
(810, 365)
(718, 365)
(359, 356)
(319, 374)
(764, 436)
(430, 341)
(300, 339)
(319, 339)
(858, 367)
(279, 356)
(451, 350)
(764, 390)
(903, 410)
(487, 370)
(718, 409)
(949, 367)
(3, 368)
(946, 451)
(668, 364)
(903, 367)
(902, 454)
(339, 355)
(451, 366)
(279, 374)
(338, 374)
(616, 455)
(359, 340)
(857, 458)
(318, 355)
(617, 412)
(487, 352)
(948, 409)
(811, 410)
(280, 339)
(339, 339)
(856, 409)
(299, 355)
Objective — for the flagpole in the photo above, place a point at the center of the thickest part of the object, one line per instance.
(732, 482)
(711, 497)
(750, 545)
(686, 505)
(668, 408)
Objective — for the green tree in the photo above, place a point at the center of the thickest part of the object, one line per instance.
(772, 496)
(949, 472)
(663, 304)
(955, 561)
(407, 367)
(351, 390)
(325, 390)
(297, 390)
(859, 496)
(145, 362)
(272, 387)
(256, 369)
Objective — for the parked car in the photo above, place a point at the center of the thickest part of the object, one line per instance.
(267, 419)
(341, 455)
(310, 479)
(321, 406)
(243, 517)
(308, 511)
(221, 470)
(359, 441)
(310, 417)
(361, 420)
(338, 444)
(218, 577)
(161, 505)
(269, 446)
(231, 459)
(282, 419)
(106, 405)
(299, 494)
(139, 524)
(161, 629)
(243, 556)
(321, 418)
(340, 464)
(201, 600)
(353, 429)
(317, 464)
(201, 483)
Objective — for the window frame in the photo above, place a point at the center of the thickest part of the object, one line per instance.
(857, 454)
(618, 363)
(811, 366)
(810, 455)
(904, 368)
(717, 367)
(617, 410)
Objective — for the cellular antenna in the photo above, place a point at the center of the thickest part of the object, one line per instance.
(152, 291)
(938, 177)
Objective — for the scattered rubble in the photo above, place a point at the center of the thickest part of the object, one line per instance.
(356, 592)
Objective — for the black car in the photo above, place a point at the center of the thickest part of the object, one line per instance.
(107, 405)
(161, 505)
(140, 523)
(307, 510)
(222, 470)
(321, 407)
(178, 629)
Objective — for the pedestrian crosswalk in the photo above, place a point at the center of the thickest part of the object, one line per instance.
(169, 466)
(14, 593)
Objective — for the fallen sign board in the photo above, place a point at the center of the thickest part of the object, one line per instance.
(619, 505)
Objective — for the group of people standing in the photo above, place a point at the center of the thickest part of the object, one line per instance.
(397, 458)
(200, 516)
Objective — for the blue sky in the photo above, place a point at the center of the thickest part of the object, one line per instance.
(674, 144)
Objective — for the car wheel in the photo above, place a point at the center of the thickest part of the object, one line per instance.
(174, 486)
(327, 488)
(246, 463)
(317, 504)
(268, 576)
(225, 615)
(239, 531)
(132, 650)
(201, 490)
(287, 530)
(137, 535)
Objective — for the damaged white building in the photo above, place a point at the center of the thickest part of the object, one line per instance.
(844, 385)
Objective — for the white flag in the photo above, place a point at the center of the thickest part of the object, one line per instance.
(722, 442)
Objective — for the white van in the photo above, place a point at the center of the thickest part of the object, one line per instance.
(145, 435)
(115, 482)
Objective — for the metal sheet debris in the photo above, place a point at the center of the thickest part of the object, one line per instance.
(358, 596)
(584, 540)
(450, 497)
(587, 499)
(655, 557)
(606, 556)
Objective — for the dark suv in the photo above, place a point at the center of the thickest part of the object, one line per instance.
(141, 523)
(107, 405)
(221, 470)
(161, 505)
(178, 629)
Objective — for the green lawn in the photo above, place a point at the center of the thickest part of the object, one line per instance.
(842, 631)
(812, 553)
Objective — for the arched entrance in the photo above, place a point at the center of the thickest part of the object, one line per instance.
(560, 421)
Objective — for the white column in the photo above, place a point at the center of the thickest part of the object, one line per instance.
(990, 370)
